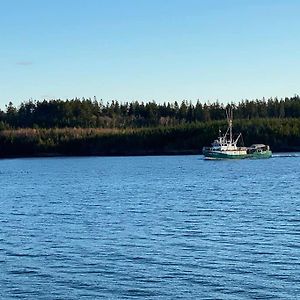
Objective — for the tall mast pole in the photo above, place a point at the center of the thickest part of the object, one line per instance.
(230, 123)
(229, 115)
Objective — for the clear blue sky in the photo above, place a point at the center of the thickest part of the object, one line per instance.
(161, 50)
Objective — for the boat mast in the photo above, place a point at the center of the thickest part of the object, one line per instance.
(229, 114)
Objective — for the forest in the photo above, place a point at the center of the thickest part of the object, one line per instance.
(90, 127)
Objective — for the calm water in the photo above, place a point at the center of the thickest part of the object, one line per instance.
(150, 228)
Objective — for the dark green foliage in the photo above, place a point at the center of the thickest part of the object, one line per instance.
(280, 134)
(86, 113)
(86, 127)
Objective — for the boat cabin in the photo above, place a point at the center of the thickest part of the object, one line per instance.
(258, 148)
(223, 144)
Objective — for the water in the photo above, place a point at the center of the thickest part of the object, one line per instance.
(150, 228)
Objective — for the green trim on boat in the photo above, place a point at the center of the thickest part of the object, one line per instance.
(223, 155)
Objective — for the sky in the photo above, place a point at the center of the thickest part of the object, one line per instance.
(162, 50)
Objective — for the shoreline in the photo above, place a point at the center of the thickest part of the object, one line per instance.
(132, 154)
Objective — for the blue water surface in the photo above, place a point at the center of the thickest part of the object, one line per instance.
(165, 227)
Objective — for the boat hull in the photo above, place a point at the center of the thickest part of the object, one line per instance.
(223, 155)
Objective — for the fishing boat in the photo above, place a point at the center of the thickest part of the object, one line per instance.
(226, 147)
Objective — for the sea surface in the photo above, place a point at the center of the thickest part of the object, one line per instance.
(164, 227)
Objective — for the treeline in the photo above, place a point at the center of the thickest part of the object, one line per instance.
(280, 134)
(90, 113)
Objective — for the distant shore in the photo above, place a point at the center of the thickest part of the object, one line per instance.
(187, 139)
(90, 128)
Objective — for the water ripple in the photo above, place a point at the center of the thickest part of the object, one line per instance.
(150, 228)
